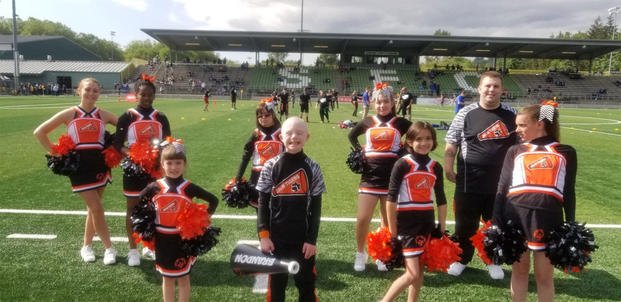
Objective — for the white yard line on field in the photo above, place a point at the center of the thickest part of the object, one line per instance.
(233, 217)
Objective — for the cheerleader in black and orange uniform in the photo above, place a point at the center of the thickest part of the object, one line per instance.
(171, 195)
(537, 186)
(264, 143)
(383, 142)
(414, 180)
(86, 127)
(143, 123)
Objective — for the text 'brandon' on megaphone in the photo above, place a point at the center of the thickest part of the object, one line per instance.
(247, 259)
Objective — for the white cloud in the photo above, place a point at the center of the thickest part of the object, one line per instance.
(139, 5)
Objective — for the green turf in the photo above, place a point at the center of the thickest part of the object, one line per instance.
(214, 142)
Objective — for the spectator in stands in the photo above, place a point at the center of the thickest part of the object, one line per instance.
(234, 98)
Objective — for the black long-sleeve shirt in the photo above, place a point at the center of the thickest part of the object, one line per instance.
(290, 188)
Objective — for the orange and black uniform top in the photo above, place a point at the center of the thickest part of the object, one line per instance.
(87, 129)
(414, 181)
(139, 124)
(290, 189)
(170, 196)
(381, 149)
(263, 144)
(536, 174)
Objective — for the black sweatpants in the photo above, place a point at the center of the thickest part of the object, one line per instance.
(470, 208)
(304, 279)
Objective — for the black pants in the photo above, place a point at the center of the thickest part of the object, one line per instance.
(324, 112)
(355, 109)
(470, 208)
(304, 279)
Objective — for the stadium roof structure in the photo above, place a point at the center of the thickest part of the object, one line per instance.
(39, 67)
(382, 45)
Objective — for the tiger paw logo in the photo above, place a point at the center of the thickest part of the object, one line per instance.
(498, 130)
(541, 164)
(181, 262)
(538, 234)
(294, 184)
(420, 240)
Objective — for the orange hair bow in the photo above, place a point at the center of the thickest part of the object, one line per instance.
(148, 78)
(550, 103)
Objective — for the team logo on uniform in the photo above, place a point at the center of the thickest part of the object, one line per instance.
(538, 234)
(171, 207)
(420, 240)
(147, 130)
(180, 262)
(498, 130)
(294, 184)
(540, 164)
(423, 183)
(90, 126)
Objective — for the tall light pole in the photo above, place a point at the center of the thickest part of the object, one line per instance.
(613, 11)
(301, 29)
(15, 51)
(112, 34)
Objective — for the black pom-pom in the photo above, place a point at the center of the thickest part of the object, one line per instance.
(108, 139)
(570, 246)
(355, 161)
(64, 165)
(397, 259)
(504, 245)
(143, 219)
(131, 169)
(237, 194)
(201, 244)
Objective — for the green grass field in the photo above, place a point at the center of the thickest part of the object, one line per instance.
(51, 270)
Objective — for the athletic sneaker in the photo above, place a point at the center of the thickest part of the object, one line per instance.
(148, 253)
(87, 253)
(360, 261)
(260, 284)
(133, 257)
(456, 269)
(496, 272)
(109, 256)
(381, 266)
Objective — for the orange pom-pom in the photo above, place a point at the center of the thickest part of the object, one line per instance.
(440, 253)
(378, 243)
(143, 154)
(112, 157)
(477, 242)
(378, 85)
(150, 244)
(193, 220)
(64, 145)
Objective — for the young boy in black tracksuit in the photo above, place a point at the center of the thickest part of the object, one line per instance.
(290, 188)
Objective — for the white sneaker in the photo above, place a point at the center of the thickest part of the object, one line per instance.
(456, 269)
(133, 258)
(495, 272)
(147, 253)
(109, 256)
(381, 266)
(260, 284)
(360, 261)
(87, 253)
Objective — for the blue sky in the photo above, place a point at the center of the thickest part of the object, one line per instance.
(524, 18)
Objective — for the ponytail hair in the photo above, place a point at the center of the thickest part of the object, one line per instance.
(546, 113)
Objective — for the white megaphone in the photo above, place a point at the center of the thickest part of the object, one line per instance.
(248, 259)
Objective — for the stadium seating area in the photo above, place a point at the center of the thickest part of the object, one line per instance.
(189, 78)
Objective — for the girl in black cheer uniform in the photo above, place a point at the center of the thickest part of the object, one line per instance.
(383, 142)
(537, 186)
(86, 127)
(140, 124)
